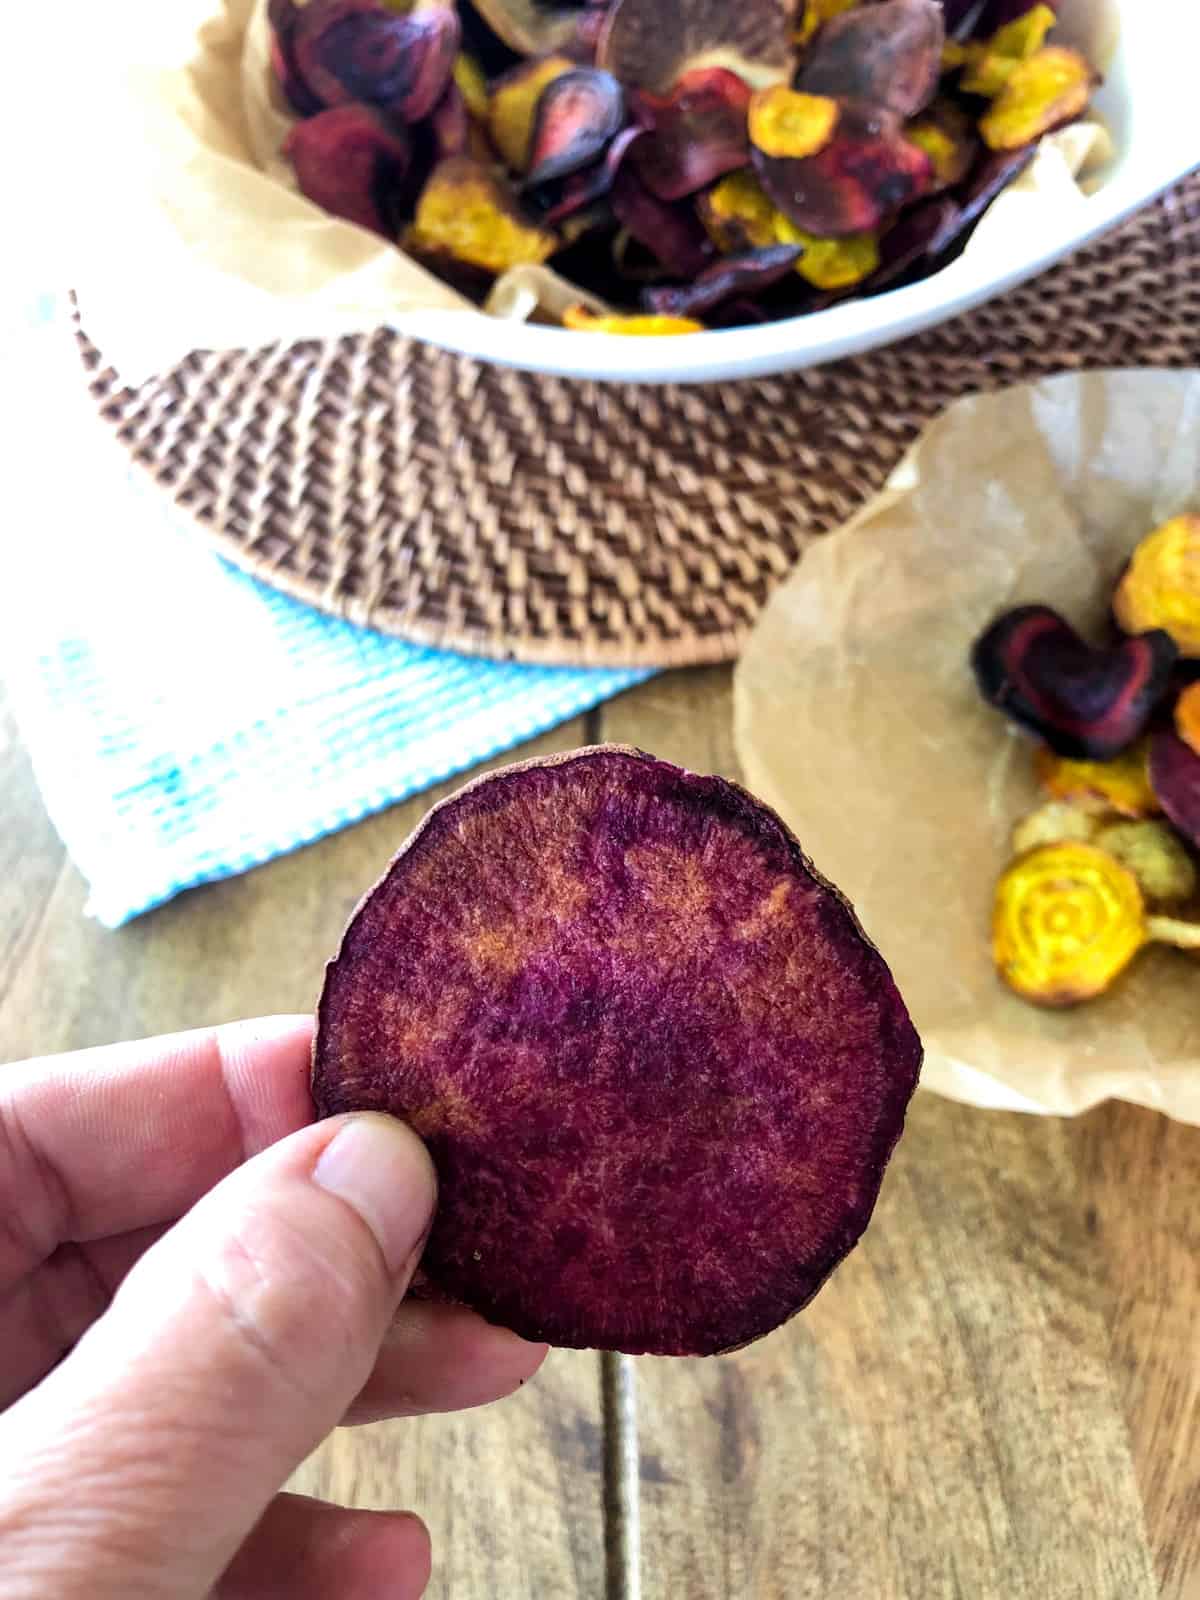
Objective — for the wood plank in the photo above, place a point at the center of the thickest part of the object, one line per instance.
(945, 1419)
(685, 717)
(1143, 1180)
(997, 1394)
(31, 857)
(513, 1493)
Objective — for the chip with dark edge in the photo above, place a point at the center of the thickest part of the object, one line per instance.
(1175, 776)
(658, 1065)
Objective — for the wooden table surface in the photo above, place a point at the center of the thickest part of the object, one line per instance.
(998, 1395)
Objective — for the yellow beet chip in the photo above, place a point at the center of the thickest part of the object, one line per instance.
(737, 214)
(783, 122)
(1121, 785)
(945, 134)
(1055, 823)
(1066, 922)
(937, 145)
(992, 63)
(1025, 35)
(1050, 88)
(466, 213)
(1155, 854)
(1067, 919)
(472, 85)
(830, 263)
(1161, 586)
(650, 326)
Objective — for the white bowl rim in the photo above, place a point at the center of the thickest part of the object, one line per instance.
(795, 342)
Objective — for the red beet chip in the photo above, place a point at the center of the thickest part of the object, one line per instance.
(695, 135)
(991, 174)
(725, 280)
(1086, 704)
(929, 229)
(858, 182)
(570, 195)
(658, 1065)
(672, 233)
(283, 16)
(359, 50)
(1175, 779)
(911, 238)
(578, 116)
(450, 125)
(349, 161)
(888, 56)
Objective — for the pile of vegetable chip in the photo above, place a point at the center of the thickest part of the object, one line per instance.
(689, 163)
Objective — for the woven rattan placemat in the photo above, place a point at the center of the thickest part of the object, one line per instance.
(550, 520)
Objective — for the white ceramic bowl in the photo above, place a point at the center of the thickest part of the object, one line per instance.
(1151, 103)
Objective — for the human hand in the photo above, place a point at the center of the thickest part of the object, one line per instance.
(224, 1278)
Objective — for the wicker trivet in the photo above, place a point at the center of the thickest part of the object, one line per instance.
(549, 520)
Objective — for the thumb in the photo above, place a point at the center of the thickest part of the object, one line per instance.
(232, 1348)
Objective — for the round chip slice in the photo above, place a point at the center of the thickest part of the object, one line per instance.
(646, 48)
(658, 1064)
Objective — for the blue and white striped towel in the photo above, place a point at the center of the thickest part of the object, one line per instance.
(185, 722)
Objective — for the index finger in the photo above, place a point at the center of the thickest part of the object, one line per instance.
(129, 1135)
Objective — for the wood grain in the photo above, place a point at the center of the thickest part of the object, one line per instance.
(997, 1395)
(946, 1419)
(513, 1494)
(1141, 1208)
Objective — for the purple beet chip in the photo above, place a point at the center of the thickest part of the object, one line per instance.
(352, 163)
(1175, 779)
(988, 178)
(915, 235)
(348, 51)
(569, 196)
(674, 234)
(725, 280)
(658, 1065)
(959, 15)
(283, 16)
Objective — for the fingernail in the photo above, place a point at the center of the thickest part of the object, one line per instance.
(380, 1168)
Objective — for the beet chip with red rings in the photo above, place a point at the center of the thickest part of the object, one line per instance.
(658, 1065)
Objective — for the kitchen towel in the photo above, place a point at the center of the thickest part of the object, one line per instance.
(184, 721)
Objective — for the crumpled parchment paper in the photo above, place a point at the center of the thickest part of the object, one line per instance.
(857, 717)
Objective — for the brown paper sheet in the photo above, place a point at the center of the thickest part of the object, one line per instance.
(186, 182)
(856, 715)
